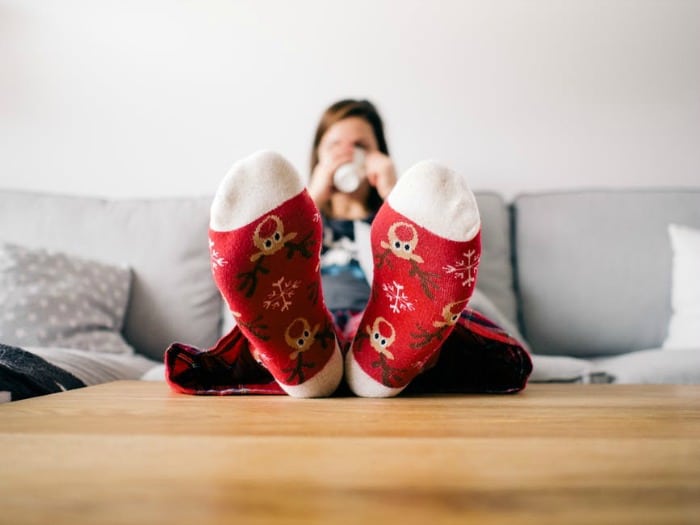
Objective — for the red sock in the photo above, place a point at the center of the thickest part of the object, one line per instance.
(265, 240)
(426, 244)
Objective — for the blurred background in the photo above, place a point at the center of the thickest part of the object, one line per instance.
(157, 98)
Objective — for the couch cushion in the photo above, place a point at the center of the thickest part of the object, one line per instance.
(495, 277)
(54, 299)
(163, 241)
(652, 366)
(560, 369)
(593, 268)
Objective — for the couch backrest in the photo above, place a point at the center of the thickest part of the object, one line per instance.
(163, 241)
(593, 268)
(495, 276)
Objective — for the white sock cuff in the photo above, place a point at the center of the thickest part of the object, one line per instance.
(252, 187)
(438, 199)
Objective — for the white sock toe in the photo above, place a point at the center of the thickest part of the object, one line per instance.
(252, 187)
(362, 384)
(324, 383)
(439, 199)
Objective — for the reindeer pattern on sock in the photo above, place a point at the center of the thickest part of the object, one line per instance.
(422, 300)
(271, 271)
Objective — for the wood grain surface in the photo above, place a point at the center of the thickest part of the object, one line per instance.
(135, 452)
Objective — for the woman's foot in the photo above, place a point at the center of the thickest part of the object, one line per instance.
(426, 245)
(264, 238)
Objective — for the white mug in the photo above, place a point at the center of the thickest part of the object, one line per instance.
(347, 177)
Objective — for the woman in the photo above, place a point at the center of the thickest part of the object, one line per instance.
(410, 330)
(344, 128)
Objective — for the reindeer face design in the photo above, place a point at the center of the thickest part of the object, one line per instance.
(269, 237)
(381, 336)
(403, 239)
(450, 314)
(300, 336)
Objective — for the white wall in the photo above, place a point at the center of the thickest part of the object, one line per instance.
(155, 97)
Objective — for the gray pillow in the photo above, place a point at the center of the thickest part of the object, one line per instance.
(54, 299)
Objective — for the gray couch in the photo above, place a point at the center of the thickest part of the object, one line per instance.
(583, 277)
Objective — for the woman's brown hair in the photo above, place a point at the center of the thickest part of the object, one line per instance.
(352, 108)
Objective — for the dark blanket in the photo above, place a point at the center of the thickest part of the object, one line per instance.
(24, 374)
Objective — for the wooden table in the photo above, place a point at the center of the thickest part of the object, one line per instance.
(134, 452)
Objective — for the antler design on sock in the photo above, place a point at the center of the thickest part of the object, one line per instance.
(428, 280)
(326, 336)
(256, 327)
(390, 375)
(304, 247)
(450, 316)
(249, 280)
(312, 292)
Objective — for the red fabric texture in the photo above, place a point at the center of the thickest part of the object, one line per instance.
(422, 282)
(225, 369)
(268, 271)
(477, 357)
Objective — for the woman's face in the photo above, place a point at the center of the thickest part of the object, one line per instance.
(345, 135)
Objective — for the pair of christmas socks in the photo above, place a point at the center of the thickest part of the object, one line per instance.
(265, 242)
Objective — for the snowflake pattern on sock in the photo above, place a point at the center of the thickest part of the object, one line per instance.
(399, 300)
(465, 269)
(280, 298)
(217, 261)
